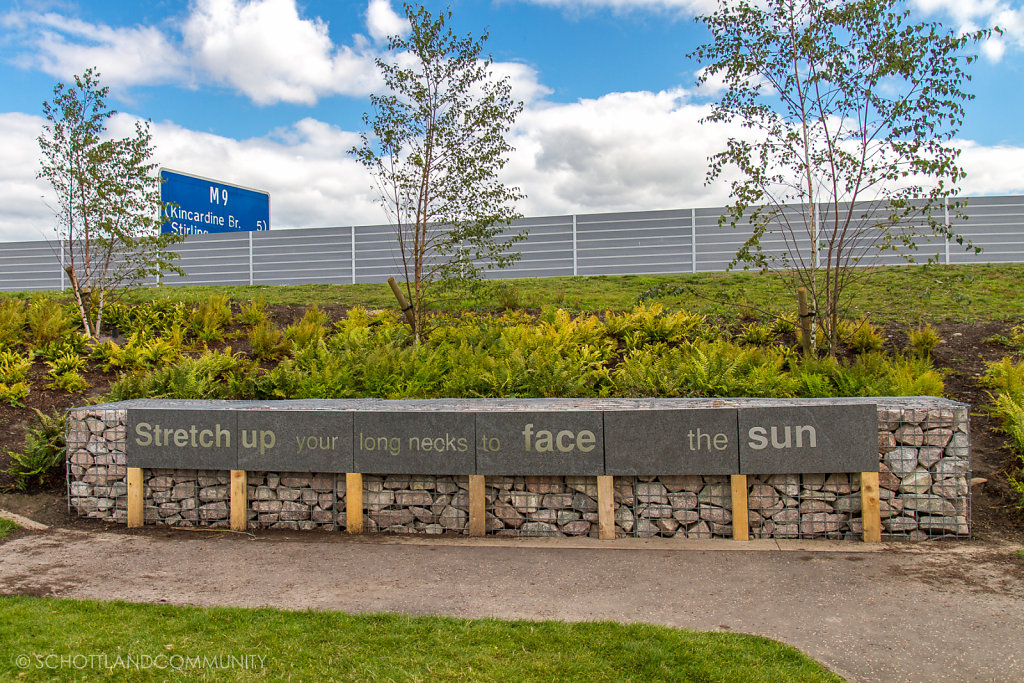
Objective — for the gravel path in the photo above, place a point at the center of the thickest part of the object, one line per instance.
(929, 612)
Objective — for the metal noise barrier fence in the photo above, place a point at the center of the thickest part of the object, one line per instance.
(628, 243)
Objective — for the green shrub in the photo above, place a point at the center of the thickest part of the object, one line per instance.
(923, 340)
(14, 394)
(1005, 377)
(49, 321)
(65, 371)
(253, 312)
(212, 375)
(44, 453)
(13, 318)
(866, 337)
(211, 317)
(757, 334)
(309, 330)
(265, 340)
(14, 367)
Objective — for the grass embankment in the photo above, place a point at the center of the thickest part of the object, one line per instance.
(307, 646)
(905, 294)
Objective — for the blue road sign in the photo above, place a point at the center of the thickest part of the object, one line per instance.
(200, 205)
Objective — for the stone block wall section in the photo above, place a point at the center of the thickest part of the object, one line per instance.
(924, 491)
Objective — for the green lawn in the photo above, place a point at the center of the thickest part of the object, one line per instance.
(905, 294)
(271, 644)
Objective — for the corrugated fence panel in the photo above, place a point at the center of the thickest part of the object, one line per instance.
(306, 256)
(638, 242)
(213, 259)
(29, 265)
(996, 224)
(547, 249)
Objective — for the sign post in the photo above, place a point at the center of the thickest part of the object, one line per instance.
(197, 206)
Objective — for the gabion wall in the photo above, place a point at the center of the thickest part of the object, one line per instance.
(924, 487)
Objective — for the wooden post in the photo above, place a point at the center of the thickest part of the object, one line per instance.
(354, 503)
(239, 500)
(406, 306)
(606, 508)
(136, 514)
(870, 514)
(477, 506)
(740, 524)
(805, 321)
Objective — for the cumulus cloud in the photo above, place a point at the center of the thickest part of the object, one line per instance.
(382, 21)
(267, 51)
(969, 15)
(63, 46)
(623, 151)
(684, 7)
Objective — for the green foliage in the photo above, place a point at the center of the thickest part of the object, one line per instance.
(436, 147)
(13, 319)
(1005, 377)
(1007, 406)
(14, 367)
(44, 453)
(265, 340)
(65, 371)
(866, 337)
(644, 352)
(212, 375)
(48, 322)
(757, 334)
(253, 312)
(158, 318)
(14, 393)
(108, 206)
(923, 340)
(210, 318)
(837, 101)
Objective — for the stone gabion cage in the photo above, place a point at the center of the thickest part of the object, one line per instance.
(924, 491)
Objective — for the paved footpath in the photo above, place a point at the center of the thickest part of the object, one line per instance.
(928, 612)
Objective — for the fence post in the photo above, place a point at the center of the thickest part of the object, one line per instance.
(693, 240)
(61, 265)
(575, 265)
(353, 229)
(817, 235)
(250, 258)
(945, 211)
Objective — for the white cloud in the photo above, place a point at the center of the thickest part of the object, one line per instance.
(267, 51)
(25, 214)
(969, 15)
(685, 7)
(126, 56)
(382, 21)
(623, 151)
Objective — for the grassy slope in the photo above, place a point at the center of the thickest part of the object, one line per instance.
(906, 294)
(311, 646)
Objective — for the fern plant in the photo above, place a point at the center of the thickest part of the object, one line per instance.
(44, 452)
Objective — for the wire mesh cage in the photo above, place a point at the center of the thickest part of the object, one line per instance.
(541, 506)
(289, 500)
(683, 506)
(97, 476)
(424, 504)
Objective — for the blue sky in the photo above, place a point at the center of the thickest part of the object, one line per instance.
(270, 94)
